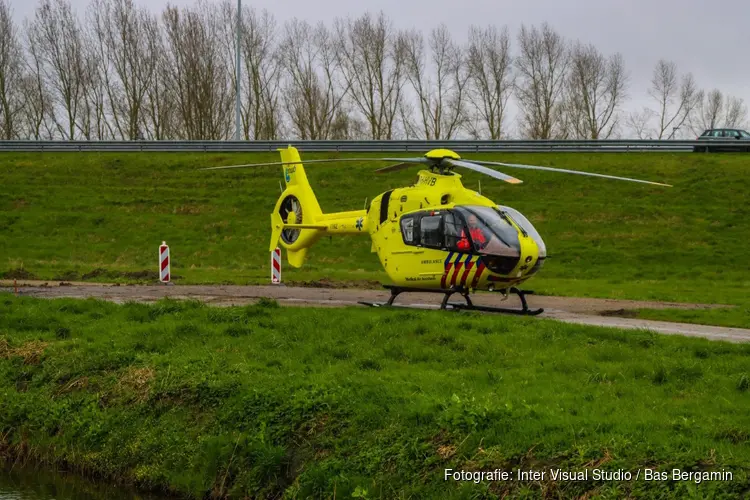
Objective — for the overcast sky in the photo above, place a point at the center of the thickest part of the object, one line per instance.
(711, 41)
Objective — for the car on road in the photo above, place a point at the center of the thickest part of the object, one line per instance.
(724, 135)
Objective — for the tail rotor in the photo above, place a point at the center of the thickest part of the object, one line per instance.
(290, 206)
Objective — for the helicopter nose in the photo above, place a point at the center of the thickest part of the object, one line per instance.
(526, 268)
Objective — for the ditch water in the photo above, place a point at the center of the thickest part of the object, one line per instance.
(30, 483)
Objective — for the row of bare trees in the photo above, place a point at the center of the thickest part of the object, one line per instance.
(119, 71)
(680, 104)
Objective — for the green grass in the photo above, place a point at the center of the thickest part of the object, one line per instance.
(315, 403)
(101, 216)
(737, 317)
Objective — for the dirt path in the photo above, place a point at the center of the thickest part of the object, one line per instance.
(599, 312)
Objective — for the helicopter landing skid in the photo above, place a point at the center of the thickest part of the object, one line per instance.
(469, 306)
(524, 311)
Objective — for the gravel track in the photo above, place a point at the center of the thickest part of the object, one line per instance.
(588, 311)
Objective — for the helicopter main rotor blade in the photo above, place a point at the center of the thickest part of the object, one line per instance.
(303, 162)
(393, 168)
(484, 170)
(419, 159)
(562, 170)
(403, 163)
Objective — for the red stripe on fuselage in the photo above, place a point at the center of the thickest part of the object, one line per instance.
(448, 265)
(480, 270)
(445, 274)
(456, 269)
(467, 270)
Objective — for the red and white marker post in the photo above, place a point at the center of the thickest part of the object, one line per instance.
(276, 266)
(164, 266)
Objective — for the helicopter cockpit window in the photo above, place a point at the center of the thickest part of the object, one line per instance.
(454, 230)
(407, 230)
(490, 233)
(430, 231)
(522, 221)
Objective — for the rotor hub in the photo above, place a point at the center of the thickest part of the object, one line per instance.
(439, 154)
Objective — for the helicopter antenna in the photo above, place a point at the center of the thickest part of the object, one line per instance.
(365, 203)
(281, 188)
(480, 185)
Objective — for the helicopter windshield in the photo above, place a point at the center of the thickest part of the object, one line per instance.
(524, 223)
(490, 233)
(473, 229)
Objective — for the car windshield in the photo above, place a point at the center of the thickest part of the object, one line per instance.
(744, 134)
(491, 234)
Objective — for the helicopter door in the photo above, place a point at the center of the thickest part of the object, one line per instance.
(421, 263)
(431, 231)
(440, 231)
(453, 230)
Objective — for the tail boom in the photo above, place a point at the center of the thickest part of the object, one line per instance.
(353, 222)
(305, 220)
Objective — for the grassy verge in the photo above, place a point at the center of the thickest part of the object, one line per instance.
(737, 317)
(101, 217)
(306, 402)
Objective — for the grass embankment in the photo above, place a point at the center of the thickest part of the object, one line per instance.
(314, 403)
(101, 216)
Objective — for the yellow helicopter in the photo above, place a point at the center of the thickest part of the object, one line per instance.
(433, 236)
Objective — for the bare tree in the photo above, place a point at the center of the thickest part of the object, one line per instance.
(346, 126)
(92, 115)
(440, 86)
(313, 93)
(735, 114)
(639, 123)
(372, 64)
(260, 87)
(406, 112)
(198, 72)
(35, 121)
(59, 43)
(127, 41)
(595, 90)
(263, 69)
(708, 112)
(714, 111)
(542, 65)
(11, 75)
(159, 120)
(411, 108)
(491, 80)
(676, 98)
(39, 109)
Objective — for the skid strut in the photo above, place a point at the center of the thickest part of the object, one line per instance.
(468, 306)
(524, 311)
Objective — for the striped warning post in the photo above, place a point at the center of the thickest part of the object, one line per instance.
(164, 262)
(276, 266)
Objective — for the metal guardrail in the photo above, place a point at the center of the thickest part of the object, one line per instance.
(462, 146)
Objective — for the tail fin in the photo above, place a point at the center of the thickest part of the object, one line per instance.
(297, 221)
(293, 221)
(294, 173)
